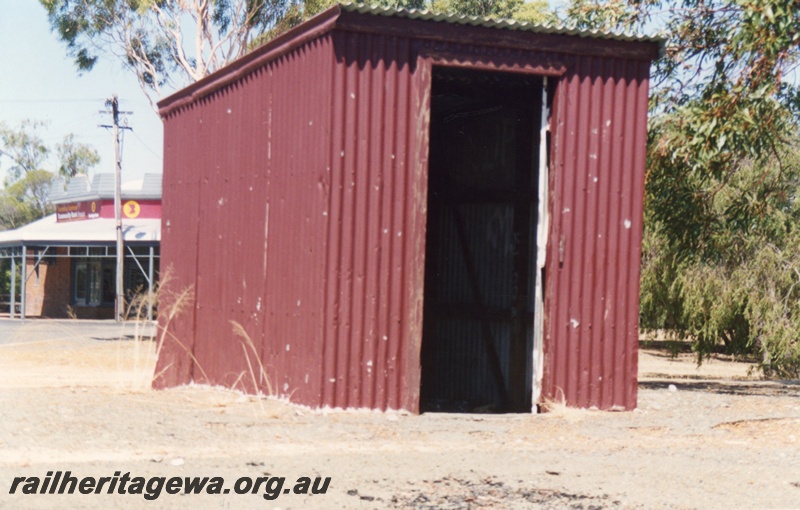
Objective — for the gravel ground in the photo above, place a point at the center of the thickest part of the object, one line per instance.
(701, 438)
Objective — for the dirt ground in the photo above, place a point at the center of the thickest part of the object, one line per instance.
(701, 438)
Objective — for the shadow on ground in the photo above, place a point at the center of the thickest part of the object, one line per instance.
(750, 388)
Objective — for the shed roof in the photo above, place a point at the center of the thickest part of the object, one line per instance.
(422, 25)
(505, 24)
(47, 231)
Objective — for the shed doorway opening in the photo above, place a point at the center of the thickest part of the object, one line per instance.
(481, 242)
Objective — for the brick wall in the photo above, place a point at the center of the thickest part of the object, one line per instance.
(48, 287)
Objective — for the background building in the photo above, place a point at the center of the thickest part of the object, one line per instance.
(68, 259)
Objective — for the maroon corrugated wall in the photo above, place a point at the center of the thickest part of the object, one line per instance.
(597, 185)
(295, 197)
(298, 201)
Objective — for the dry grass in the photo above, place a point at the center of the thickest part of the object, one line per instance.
(170, 304)
(558, 409)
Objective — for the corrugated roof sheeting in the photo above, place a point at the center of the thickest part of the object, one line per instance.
(102, 187)
(596, 221)
(77, 186)
(506, 24)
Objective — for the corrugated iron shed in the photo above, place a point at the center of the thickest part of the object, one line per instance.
(304, 182)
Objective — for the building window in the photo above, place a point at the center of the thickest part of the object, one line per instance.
(91, 284)
(94, 281)
(81, 281)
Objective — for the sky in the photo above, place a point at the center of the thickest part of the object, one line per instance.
(39, 81)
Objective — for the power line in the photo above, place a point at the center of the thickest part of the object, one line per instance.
(10, 101)
(144, 144)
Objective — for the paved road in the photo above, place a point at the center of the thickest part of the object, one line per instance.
(38, 330)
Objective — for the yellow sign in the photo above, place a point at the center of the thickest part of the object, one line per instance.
(131, 209)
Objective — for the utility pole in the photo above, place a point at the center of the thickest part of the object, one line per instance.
(113, 103)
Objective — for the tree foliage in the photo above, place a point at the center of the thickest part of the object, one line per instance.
(720, 260)
(75, 158)
(741, 290)
(610, 15)
(504, 9)
(25, 195)
(26, 200)
(24, 147)
(167, 44)
(170, 44)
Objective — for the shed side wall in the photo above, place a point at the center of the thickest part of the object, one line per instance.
(246, 188)
(183, 158)
(293, 242)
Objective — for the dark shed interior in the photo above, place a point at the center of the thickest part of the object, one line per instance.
(480, 269)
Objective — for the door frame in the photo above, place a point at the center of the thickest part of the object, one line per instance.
(540, 66)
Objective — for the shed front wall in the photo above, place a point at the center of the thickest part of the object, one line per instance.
(295, 203)
(597, 161)
(599, 125)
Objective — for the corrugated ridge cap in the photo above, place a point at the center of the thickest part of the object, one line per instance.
(508, 24)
